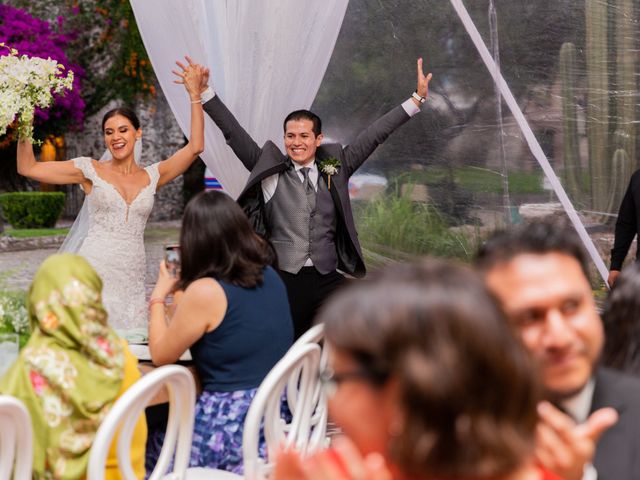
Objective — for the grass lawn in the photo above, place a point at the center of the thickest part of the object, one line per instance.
(482, 180)
(34, 232)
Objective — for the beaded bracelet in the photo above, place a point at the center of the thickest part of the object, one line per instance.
(153, 301)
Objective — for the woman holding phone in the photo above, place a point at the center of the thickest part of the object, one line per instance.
(233, 314)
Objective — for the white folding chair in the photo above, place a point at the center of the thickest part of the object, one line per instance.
(16, 439)
(318, 439)
(125, 413)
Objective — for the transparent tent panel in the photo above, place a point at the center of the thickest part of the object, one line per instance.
(462, 168)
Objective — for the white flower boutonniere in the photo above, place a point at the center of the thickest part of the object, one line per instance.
(329, 166)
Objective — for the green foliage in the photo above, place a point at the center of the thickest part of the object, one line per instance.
(35, 232)
(481, 180)
(32, 209)
(107, 43)
(130, 76)
(392, 227)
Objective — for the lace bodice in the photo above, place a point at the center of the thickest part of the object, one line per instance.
(114, 244)
(109, 213)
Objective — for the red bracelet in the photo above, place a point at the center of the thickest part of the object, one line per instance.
(153, 301)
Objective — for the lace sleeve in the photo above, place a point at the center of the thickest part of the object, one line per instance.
(154, 175)
(86, 167)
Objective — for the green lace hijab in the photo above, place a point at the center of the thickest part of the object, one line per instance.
(71, 370)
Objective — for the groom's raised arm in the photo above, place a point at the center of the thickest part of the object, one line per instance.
(376, 133)
(245, 148)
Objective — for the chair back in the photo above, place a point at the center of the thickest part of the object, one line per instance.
(299, 367)
(318, 439)
(16, 439)
(125, 413)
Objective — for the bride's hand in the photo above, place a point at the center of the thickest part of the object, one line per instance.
(193, 76)
(165, 282)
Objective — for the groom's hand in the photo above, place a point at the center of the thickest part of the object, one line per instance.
(423, 81)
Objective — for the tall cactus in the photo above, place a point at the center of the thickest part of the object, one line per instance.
(572, 172)
(612, 146)
(621, 169)
(626, 87)
(598, 100)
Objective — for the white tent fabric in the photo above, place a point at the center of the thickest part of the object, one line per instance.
(266, 59)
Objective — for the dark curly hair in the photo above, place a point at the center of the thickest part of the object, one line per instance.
(537, 237)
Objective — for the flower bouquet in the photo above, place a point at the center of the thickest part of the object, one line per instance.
(27, 83)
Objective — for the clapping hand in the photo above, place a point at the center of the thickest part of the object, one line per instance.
(563, 446)
(342, 461)
(193, 76)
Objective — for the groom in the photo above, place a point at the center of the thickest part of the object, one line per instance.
(300, 201)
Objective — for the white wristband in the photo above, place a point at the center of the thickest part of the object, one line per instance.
(418, 97)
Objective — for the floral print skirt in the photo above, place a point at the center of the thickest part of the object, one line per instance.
(217, 433)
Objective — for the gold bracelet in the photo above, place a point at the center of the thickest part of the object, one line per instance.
(196, 101)
(153, 301)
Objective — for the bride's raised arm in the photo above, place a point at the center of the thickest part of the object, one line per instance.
(58, 173)
(195, 78)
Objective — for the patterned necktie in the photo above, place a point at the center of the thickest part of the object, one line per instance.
(308, 187)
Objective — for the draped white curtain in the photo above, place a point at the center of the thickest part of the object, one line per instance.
(267, 58)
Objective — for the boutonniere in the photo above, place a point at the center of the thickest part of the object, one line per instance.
(329, 166)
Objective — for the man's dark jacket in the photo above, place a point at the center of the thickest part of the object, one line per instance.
(618, 449)
(269, 160)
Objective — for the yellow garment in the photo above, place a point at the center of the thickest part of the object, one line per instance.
(139, 440)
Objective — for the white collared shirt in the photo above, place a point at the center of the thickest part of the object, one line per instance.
(579, 407)
(270, 183)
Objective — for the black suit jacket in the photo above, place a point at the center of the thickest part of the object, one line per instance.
(268, 160)
(618, 450)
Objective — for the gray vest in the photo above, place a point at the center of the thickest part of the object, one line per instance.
(299, 229)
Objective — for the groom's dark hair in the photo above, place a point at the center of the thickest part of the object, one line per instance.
(305, 115)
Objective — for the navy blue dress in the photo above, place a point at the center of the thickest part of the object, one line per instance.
(232, 361)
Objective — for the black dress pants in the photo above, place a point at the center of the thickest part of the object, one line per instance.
(308, 290)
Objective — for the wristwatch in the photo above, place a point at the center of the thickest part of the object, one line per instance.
(418, 97)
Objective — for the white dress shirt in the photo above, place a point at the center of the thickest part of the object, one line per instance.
(578, 407)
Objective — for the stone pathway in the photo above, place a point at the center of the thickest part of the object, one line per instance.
(18, 267)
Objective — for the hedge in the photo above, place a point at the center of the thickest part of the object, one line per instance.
(32, 209)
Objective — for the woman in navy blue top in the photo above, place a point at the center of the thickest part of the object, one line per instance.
(234, 316)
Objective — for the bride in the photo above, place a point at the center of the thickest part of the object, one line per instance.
(119, 198)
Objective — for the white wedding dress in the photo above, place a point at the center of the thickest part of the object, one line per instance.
(114, 245)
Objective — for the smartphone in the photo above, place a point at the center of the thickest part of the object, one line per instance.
(172, 259)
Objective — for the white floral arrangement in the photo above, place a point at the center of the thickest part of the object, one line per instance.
(27, 83)
(13, 313)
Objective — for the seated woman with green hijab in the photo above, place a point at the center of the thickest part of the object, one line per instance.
(71, 371)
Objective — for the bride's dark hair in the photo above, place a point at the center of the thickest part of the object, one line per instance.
(125, 112)
(216, 240)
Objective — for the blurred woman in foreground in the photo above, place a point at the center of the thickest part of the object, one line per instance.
(426, 381)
